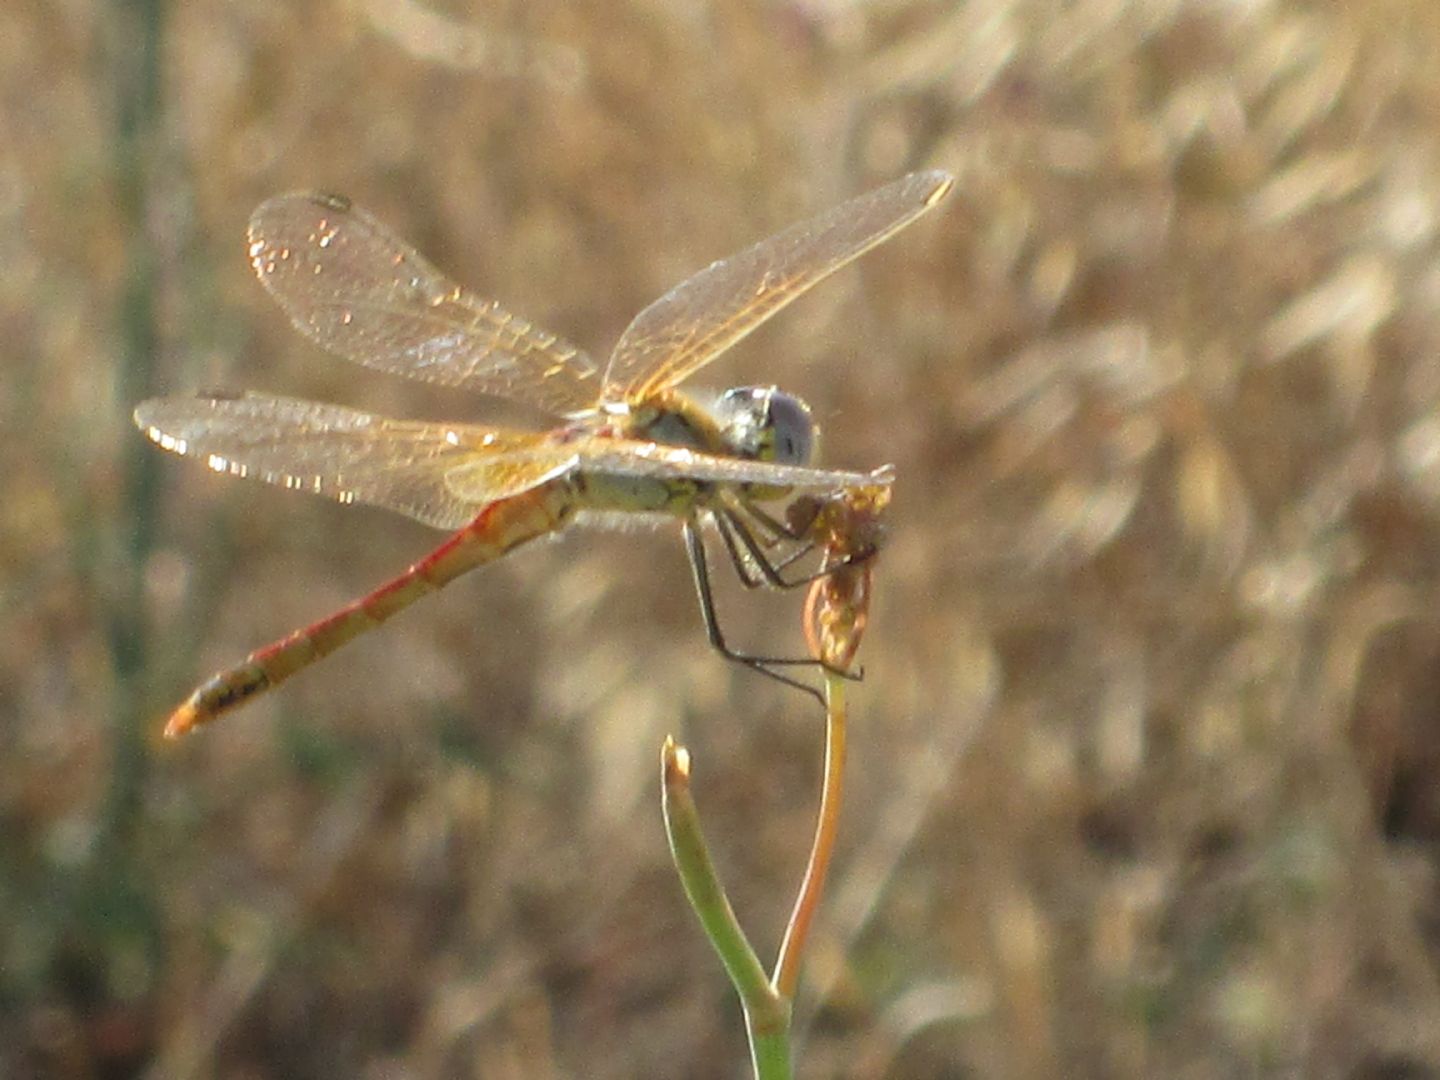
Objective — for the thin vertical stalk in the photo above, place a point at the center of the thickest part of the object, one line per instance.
(135, 59)
(797, 932)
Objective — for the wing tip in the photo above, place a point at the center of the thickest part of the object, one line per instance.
(944, 183)
(154, 414)
(330, 200)
(149, 417)
(324, 200)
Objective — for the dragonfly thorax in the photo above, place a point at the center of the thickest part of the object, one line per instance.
(764, 423)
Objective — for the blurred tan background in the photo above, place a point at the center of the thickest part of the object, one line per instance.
(1144, 766)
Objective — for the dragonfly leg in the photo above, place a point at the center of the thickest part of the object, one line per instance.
(752, 565)
(776, 529)
(700, 567)
(734, 529)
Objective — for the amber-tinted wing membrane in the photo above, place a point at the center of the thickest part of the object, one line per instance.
(626, 457)
(348, 455)
(349, 284)
(703, 316)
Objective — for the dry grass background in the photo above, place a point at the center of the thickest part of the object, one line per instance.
(1144, 766)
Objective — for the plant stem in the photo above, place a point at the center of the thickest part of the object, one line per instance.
(767, 1013)
(138, 27)
(792, 947)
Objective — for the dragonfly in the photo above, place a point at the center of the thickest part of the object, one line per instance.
(626, 443)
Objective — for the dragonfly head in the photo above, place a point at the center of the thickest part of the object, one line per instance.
(766, 424)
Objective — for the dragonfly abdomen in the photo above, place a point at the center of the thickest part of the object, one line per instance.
(498, 529)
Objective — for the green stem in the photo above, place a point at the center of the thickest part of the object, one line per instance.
(769, 1051)
(136, 62)
(767, 1013)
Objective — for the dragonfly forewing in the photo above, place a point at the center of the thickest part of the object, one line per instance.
(703, 316)
(353, 287)
(632, 458)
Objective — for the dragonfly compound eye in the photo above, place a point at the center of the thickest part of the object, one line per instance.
(765, 424)
(792, 430)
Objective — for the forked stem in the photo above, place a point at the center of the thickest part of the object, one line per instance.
(836, 609)
(767, 1002)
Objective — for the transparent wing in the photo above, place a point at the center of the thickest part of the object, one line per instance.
(347, 455)
(627, 457)
(703, 316)
(352, 286)
(478, 480)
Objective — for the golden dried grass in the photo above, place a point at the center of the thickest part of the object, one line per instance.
(1144, 759)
